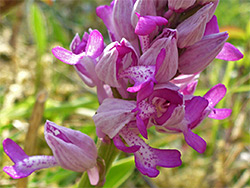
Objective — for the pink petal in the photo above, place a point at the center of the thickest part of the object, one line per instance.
(195, 109)
(147, 24)
(215, 94)
(93, 175)
(212, 26)
(229, 53)
(220, 113)
(95, 44)
(66, 56)
(195, 141)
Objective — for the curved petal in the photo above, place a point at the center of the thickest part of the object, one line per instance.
(215, 94)
(67, 56)
(195, 141)
(220, 113)
(229, 53)
(95, 44)
(121, 146)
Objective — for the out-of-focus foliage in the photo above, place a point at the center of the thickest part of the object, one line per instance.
(27, 34)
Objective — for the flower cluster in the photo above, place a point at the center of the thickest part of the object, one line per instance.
(145, 77)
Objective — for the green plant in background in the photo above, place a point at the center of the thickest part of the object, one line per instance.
(69, 105)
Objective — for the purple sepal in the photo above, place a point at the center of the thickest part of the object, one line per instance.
(121, 146)
(198, 56)
(212, 26)
(147, 24)
(195, 111)
(195, 141)
(229, 53)
(67, 56)
(24, 164)
(192, 29)
(122, 11)
(105, 13)
(113, 114)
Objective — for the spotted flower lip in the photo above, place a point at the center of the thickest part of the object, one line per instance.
(146, 157)
(24, 164)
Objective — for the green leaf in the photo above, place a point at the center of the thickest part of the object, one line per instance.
(120, 172)
(38, 28)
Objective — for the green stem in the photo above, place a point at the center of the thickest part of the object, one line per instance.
(108, 152)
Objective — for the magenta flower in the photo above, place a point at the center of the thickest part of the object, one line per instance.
(158, 50)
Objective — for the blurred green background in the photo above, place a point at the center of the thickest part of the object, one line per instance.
(28, 32)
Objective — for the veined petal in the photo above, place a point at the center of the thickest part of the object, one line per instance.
(180, 5)
(198, 56)
(192, 29)
(67, 56)
(121, 16)
(113, 114)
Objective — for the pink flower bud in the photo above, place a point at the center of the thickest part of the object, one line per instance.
(72, 149)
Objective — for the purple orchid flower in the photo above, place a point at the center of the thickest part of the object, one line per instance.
(71, 149)
(187, 117)
(146, 157)
(83, 56)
